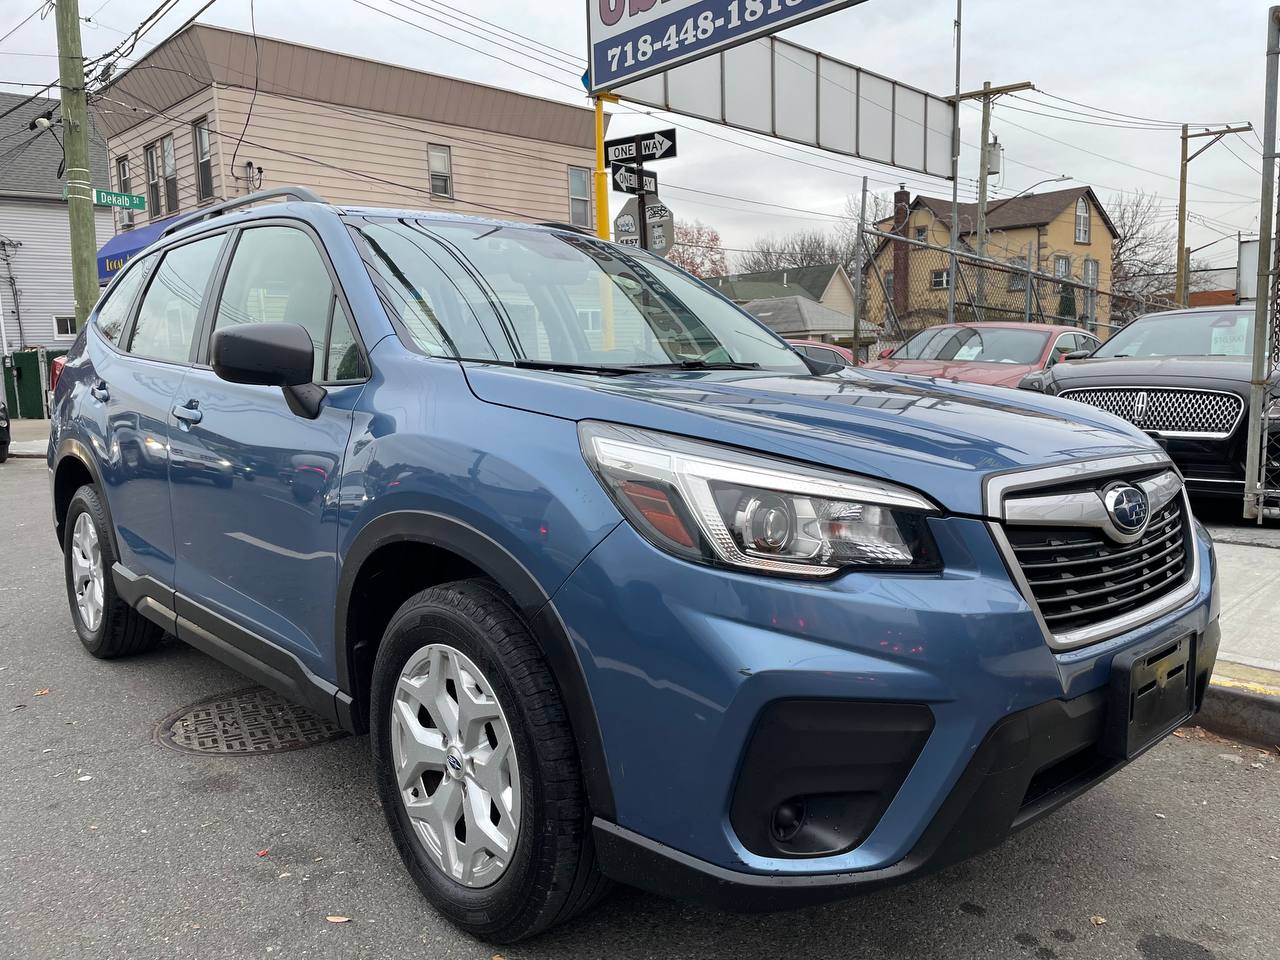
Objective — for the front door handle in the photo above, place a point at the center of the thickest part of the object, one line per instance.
(189, 412)
(100, 392)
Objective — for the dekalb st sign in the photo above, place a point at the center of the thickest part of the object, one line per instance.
(630, 39)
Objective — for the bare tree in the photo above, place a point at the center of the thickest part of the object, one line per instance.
(835, 243)
(698, 249)
(1144, 260)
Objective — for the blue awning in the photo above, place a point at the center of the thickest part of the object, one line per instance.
(123, 247)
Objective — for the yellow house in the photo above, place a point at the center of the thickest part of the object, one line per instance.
(1063, 233)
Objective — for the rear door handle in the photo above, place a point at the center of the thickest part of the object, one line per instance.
(189, 412)
(100, 392)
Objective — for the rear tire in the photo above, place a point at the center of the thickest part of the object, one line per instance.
(107, 626)
(4, 452)
(550, 873)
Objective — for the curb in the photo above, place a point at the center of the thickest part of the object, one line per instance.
(28, 449)
(1242, 710)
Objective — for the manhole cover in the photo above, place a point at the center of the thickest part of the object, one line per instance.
(249, 721)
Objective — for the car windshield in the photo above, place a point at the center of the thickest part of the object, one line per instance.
(1208, 333)
(983, 344)
(556, 299)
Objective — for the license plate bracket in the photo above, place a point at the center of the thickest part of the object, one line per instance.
(1152, 694)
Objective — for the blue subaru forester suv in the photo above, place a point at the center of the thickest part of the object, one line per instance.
(621, 586)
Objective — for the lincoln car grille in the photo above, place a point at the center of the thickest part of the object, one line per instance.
(1168, 410)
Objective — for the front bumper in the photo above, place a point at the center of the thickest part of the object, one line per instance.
(681, 660)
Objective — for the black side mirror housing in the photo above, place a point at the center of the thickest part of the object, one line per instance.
(271, 355)
(1076, 355)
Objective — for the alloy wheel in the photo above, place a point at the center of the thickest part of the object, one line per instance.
(456, 765)
(86, 572)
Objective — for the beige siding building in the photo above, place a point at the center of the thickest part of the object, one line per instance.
(186, 127)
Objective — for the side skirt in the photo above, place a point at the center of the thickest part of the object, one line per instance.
(255, 657)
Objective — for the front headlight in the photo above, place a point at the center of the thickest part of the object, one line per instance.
(719, 505)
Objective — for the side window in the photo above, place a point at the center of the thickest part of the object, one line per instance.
(1065, 344)
(344, 360)
(167, 319)
(278, 276)
(114, 311)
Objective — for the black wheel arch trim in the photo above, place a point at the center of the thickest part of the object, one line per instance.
(533, 602)
(72, 448)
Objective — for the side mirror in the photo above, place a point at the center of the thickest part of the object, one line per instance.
(1032, 381)
(1075, 355)
(885, 354)
(270, 355)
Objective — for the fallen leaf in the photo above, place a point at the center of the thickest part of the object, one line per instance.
(1181, 734)
(1097, 921)
(42, 692)
(263, 853)
(336, 919)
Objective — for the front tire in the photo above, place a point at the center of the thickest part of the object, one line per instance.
(107, 626)
(477, 767)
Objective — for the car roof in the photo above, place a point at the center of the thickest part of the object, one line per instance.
(1012, 325)
(1210, 308)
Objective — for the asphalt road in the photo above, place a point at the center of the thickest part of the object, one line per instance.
(157, 854)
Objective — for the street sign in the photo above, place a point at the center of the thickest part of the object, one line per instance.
(630, 39)
(641, 149)
(121, 201)
(629, 180)
(659, 222)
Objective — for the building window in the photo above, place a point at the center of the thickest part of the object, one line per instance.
(170, 174)
(152, 155)
(125, 185)
(204, 163)
(580, 197)
(441, 168)
(888, 285)
(922, 234)
(1082, 220)
(1018, 275)
(64, 328)
(1061, 266)
(940, 279)
(1091, 292)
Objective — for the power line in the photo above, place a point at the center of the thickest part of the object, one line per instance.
(44, 4)
(1129, 116)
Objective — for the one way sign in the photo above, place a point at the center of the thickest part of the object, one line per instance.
(626, 179)
(642, 148)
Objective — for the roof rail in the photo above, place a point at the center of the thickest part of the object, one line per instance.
(569, 226)
(292, 193)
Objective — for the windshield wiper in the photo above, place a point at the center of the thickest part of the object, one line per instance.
(696, 364)
(565, 366)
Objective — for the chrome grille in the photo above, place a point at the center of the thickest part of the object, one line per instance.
(1168, 410)
(1079, 577)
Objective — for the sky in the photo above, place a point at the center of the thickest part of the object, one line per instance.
(1173, 61)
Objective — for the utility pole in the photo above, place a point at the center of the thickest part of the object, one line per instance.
(987, 95)
(75, 135)
(859, 268)
(955, 181)
(1254, 508)
(1180, 284)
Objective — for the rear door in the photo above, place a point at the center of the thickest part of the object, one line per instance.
(253, 484)
(134, 387)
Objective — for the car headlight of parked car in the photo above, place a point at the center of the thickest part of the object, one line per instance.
(716, 504)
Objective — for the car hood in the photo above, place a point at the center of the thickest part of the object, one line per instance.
(995, 374)
(1153, 371)
(942, 439)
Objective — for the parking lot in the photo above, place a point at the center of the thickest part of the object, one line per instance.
(119, 846)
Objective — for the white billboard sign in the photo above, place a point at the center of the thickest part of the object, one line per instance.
(1247, 272)
(776, 87)
(630, 39)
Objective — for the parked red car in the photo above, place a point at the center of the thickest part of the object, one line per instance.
(1000, 354)
(826, 352)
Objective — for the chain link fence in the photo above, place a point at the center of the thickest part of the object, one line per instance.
(907, 287)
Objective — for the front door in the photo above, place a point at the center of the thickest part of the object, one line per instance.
(252, 483)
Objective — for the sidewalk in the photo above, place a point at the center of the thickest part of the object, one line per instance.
(29, 438)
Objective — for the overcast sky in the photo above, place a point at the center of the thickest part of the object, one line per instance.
(1197, 61)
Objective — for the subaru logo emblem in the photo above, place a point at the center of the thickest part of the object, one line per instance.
(454, 762)
(1127, 507)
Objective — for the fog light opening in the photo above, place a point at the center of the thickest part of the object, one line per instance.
(788, 820)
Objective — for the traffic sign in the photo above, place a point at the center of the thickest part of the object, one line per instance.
(630, 180)
(659, 222)
(660, 145)
(108, 198)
